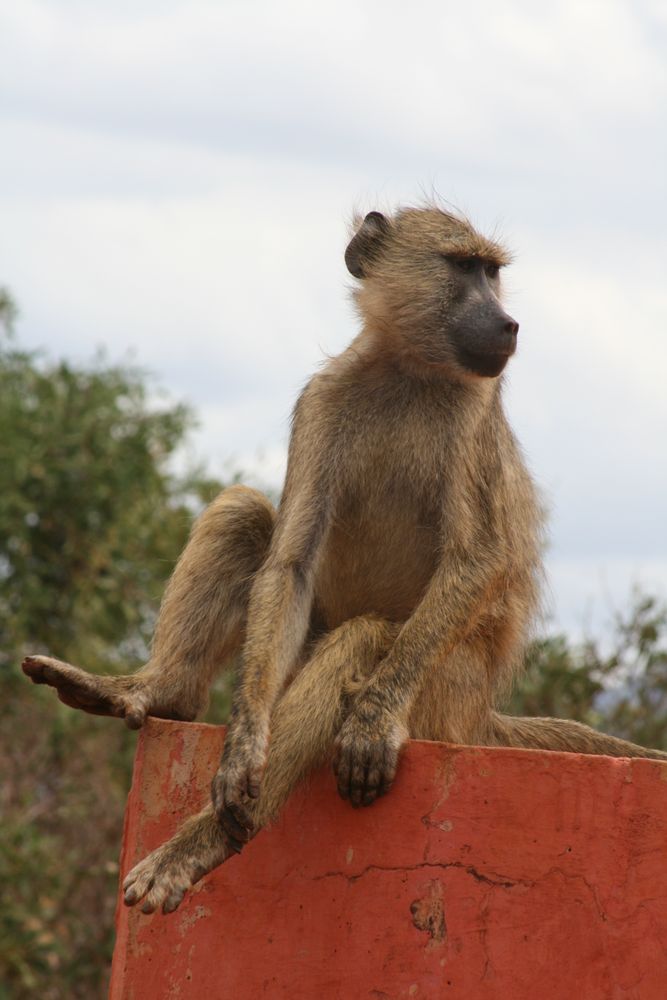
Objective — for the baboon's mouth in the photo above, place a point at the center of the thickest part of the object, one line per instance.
(507, 344)
(487, 363)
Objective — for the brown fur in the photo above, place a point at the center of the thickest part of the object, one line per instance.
(392, 594)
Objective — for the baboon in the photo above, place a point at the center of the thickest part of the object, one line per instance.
(393, 591)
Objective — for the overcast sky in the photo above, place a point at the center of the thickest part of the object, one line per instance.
(176, 180)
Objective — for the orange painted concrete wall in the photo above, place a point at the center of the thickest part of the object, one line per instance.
(484, 874)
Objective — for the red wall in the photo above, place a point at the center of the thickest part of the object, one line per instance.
(512, 874)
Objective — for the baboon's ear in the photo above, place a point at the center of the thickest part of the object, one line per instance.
(366, 245)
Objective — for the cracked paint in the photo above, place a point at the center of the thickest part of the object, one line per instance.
(485, 873)
(428, 914)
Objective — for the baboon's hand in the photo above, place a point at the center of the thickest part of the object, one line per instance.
(366, 755)
(236, 787)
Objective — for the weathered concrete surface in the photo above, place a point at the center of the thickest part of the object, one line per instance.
(484, 874)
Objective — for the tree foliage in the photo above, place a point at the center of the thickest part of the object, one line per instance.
(619, 685)
(92, 518)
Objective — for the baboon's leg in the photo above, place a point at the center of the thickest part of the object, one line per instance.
(562, 734)
(200, 625)
(303, 727)
(454, 706)
(165, 875)
(308, 717)
(453, 703)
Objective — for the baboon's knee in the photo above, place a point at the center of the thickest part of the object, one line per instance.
(240, 520)
(204, 606)
(375, 636)
(355, 647)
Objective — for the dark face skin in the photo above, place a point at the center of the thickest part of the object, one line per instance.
(482, 335)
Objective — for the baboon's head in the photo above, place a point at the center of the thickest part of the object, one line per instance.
(430, 282)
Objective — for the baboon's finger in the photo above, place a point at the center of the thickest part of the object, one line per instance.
(236, 824)
(218, 793)
(373, 785)
(241, 815)
(235, 845)
(387, 770)
(342, 771)
(386, 784)
(254, 782)
(357, 780)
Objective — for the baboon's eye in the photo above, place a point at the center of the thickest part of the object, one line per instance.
(492, 270)
(465, 264)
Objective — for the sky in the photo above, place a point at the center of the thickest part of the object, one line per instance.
(177, 180)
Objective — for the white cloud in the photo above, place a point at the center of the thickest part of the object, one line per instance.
(587, 594)
(333, 81)
(175, 178)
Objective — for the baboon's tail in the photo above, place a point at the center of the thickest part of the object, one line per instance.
(562, 734)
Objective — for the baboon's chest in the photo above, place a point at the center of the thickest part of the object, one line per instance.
(382, 547)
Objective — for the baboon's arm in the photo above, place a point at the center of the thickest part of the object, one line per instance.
(448, 612)
(278, 615)
(371, 737)
(281, 600)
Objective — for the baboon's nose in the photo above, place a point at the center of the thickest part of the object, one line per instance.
(511, 326)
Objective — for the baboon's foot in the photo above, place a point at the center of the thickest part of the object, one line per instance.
(129, 698)
(163, 878)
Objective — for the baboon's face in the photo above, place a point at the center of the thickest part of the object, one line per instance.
(433, 280)
(481, 333)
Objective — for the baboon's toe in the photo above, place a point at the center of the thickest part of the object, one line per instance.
(41, 671)
(160, 881)
(92, 702)
(98, 695)
(57, 673)
(137, 884)
(34, 667)
(173, 900)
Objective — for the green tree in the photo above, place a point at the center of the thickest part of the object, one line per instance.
(634, 673)
(619, 685)
(92, 519)
(557, 683)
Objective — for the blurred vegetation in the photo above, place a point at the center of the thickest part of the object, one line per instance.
(619, 685)
(92, 519)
